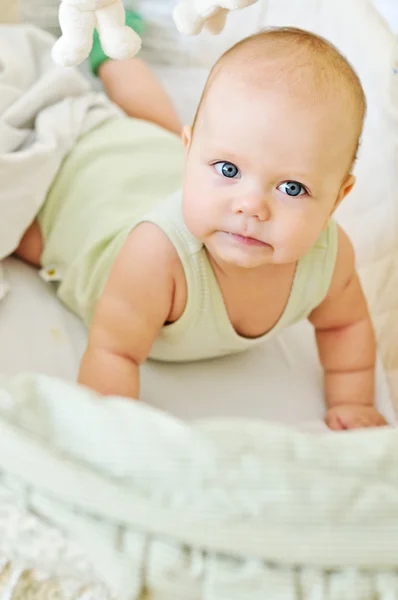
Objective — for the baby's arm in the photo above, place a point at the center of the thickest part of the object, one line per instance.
(133, 86)
(135, 304)
(347, 347)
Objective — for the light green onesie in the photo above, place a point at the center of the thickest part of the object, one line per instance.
(129, 171)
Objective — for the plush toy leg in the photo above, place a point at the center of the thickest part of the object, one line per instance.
(187, 19)
(191, 16)
(75, 44)
(117, 40)
(216, 23)
(190, 22)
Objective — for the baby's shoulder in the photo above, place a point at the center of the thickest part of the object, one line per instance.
(149, 244)
(155, 265)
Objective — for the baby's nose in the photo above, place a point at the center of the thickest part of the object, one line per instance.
(253, 205)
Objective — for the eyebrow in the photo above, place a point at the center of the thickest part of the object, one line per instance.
(305, 179)
(223, 154)
(290, 173)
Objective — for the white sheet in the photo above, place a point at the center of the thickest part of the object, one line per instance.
(280, 381)
(389, 11)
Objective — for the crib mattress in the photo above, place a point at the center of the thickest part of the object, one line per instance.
(280, 381)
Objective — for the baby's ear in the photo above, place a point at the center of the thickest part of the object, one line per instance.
(345, 189)
(187, 136)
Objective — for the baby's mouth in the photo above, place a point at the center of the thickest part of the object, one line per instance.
(248, 241)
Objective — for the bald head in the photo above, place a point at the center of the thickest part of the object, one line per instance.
(296, 62)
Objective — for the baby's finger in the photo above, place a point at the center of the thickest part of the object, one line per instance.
(366, 421)
(380, 421)
(360, 423)
(333, 421)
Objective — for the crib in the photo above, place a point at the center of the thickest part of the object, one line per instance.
(108, 552)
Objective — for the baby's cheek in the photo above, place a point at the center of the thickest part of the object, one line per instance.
(302, 229)
(194, 216)
(288, 229)
(295, 242)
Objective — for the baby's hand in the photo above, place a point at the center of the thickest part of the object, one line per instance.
(352, 416)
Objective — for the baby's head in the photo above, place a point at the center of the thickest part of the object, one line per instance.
(270, 154)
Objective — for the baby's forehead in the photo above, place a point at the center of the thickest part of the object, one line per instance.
(231, 97)
(275, 128)
(277, 87)
(282, 75)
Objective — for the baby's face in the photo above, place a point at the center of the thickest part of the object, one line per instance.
(264, 172)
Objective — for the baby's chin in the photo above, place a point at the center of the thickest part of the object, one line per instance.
(231, 251)
(247, 257)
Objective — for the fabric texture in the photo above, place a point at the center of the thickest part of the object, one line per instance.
(217, 509)
(38, 561)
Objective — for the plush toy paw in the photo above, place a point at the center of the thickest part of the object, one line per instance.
(352, 416)
(188, 21)
(192, 16)
(216, 23)
(120, 43)
(67, 53)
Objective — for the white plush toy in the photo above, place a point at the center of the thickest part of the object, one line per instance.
(79, 18)
(192, 16)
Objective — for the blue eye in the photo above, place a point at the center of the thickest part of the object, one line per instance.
(227, 169)
(292, 188)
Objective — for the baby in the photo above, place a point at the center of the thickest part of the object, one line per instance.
(248, 247)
